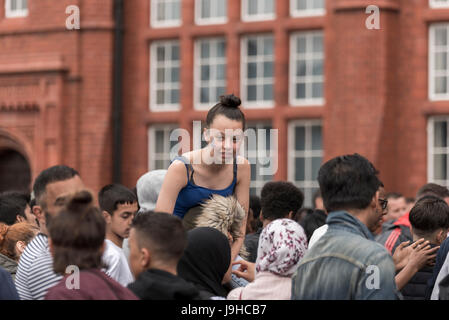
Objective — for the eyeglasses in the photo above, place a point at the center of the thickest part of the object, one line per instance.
(383, 203)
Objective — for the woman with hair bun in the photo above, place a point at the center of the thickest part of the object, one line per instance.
(215, 169)
(13, 240)
(77, 244)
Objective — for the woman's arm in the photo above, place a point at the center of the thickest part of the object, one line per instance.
(242, 195)
(175, 179)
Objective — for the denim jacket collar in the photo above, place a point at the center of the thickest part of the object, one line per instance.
(342, 220)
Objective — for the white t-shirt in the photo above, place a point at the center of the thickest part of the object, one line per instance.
(317, 234)
(118, 267)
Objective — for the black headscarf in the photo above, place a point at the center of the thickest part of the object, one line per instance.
(206, 260)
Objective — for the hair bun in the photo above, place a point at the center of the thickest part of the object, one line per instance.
(80, 201)
(230, 101)
(3, 230)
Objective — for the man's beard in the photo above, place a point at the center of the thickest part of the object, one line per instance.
(48, 219)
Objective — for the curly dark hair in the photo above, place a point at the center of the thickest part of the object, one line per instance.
(279, 198)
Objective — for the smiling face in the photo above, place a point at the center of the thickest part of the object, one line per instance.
(224, 137)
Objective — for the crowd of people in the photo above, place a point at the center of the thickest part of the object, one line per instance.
(193, 232)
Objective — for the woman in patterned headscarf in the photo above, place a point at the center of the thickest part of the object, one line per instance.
(282, 244)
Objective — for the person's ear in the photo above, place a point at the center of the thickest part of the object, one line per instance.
(20, 247)
(39, 214)
(290, 215)
(145, 258)
(107, 217)
(441, 235)
(19, 219)
(375, 200)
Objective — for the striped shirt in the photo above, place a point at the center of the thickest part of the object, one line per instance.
(35, 273)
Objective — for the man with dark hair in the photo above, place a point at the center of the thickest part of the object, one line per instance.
(341, 264)
(10, 212)
(429, 219)
(279, 199)
(118, 205)
(52, 188)
(432, 189)
(15, 206)
(157, 242)
(398, 231)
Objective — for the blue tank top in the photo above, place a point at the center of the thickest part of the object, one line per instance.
(192, 195)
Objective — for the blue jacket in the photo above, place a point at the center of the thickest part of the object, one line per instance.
(345, 264)
(7, 288)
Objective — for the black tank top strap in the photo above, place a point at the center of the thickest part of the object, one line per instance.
(235, 168)
(186, 162)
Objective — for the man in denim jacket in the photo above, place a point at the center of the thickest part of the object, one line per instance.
(346, 263)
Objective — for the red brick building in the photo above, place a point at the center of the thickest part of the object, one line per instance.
(309, 68)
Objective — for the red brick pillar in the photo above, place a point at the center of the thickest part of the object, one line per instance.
(357, 65)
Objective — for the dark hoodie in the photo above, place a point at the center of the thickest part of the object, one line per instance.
(155, 284)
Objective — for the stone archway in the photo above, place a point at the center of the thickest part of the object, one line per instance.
(15, 171)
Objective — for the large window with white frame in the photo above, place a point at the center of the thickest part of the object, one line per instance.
(305, 155)
(161, 148)
(439, 3)
(210, 72)
(165, 13)
(16, 8)
(256, 10)
(261, 150)
(165, 76)
(210, 11)
(304, 8)
(306, 68)
(438, 150)
(257, 71)
(439, 61)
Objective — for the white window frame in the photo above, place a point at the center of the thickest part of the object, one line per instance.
(438, 5)
(306, 13)
(258, 104)
(257, 17)
(294, 56)
(432, 72)
(18, 13)
(152, 155)
(307, 153)
(197, 72)
(258, 184)
(153, 77)
(154, 23)
(212, 20)
(432, 151)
